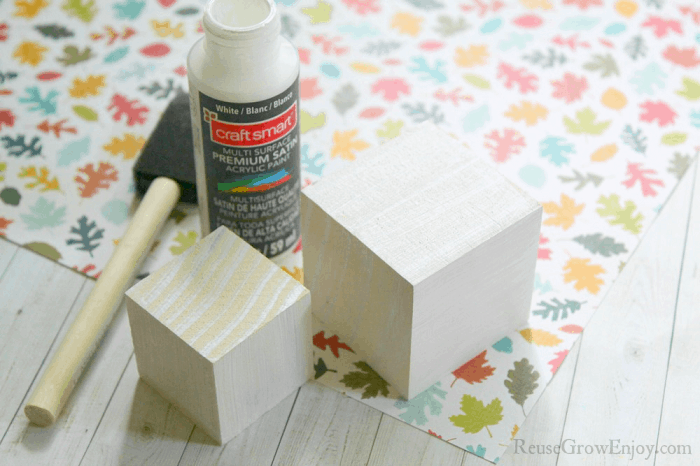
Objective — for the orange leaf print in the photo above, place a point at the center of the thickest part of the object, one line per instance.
(476, 370)
(94, 180)
(407, 23)
(30, 53)
(473, 56)
(345, 144)
(90, 86)
(528, 112)
(562, 215)
(333, 342)
(583, 273)
(29, 8)
(129, 145)
(540, 337)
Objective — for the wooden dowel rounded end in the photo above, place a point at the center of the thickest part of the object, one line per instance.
(39, 416)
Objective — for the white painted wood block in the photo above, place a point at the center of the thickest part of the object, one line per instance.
(222, 332)
(419, 256)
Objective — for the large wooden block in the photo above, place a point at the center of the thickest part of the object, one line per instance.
(419, 256)
(222, 332)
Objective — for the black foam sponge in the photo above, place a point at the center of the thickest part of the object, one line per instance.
(169, 151)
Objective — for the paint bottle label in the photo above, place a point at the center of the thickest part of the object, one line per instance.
(251, 159)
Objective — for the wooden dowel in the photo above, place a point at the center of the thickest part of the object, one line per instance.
(87, 330)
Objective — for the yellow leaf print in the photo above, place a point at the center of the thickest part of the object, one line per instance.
(298, 273)
(366, 68)
(562, 215)
(30, 53)
(406, 23)
(321, 13)
(164, 29)
(475, 55)
(90, 86)
(184, 242)
(41, 178)
(309, 122)
(528, 112)
(604, 153)
(129, 146)
(540, 337)
(584, 274)
(29, 8)
(535, 4)
(345, 144)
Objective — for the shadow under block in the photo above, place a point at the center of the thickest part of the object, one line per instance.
(222, 332)
(419, 255)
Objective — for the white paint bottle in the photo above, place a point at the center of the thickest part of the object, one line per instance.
(244, 100)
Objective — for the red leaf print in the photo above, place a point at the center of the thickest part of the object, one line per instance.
(569, 88)
(544, 253)
(607, 43)
(637, 173)
(683, 57)
(390, 88)
(167, 3)
(503, 147)
(308, 88)
(333, 342)
(87, 269)
(94, 180)
(392, 61)
(133, 112)
(583, 4)
(5, 92)
(4, 223)
(180, 70)
(528, 21)
(571, 42)
(454, 96)
(525, 81)
(362, 7)
(571, 328)
(662, 26)
(297, 248)
(372, 112)
(483, 6)
(7, 118)
(556, 362)
(155, 50)
(431, 45)
(434, 434)
(304, 55)
(57, 128)
(692, 12)
(48, 76)
(3, 31)
(474, 371)
(659, 111)
(329, 46)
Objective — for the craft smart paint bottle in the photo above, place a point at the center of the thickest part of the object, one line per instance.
(244, 98)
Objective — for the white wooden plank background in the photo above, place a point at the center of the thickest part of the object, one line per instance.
(633, 376)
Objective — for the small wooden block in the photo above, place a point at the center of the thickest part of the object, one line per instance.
(419, 256)
(222, 332)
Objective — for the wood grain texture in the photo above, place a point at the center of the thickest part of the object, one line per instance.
(37, 295)
(138, 427)
(67, 441)
(255, 445)
(398, 443)
(619, 383)
(223, 332)
(419, 239)
(87, 328)
(7, 253)
(327, 428)
(681, 402)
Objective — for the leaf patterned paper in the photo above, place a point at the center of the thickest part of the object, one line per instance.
(592, 107)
